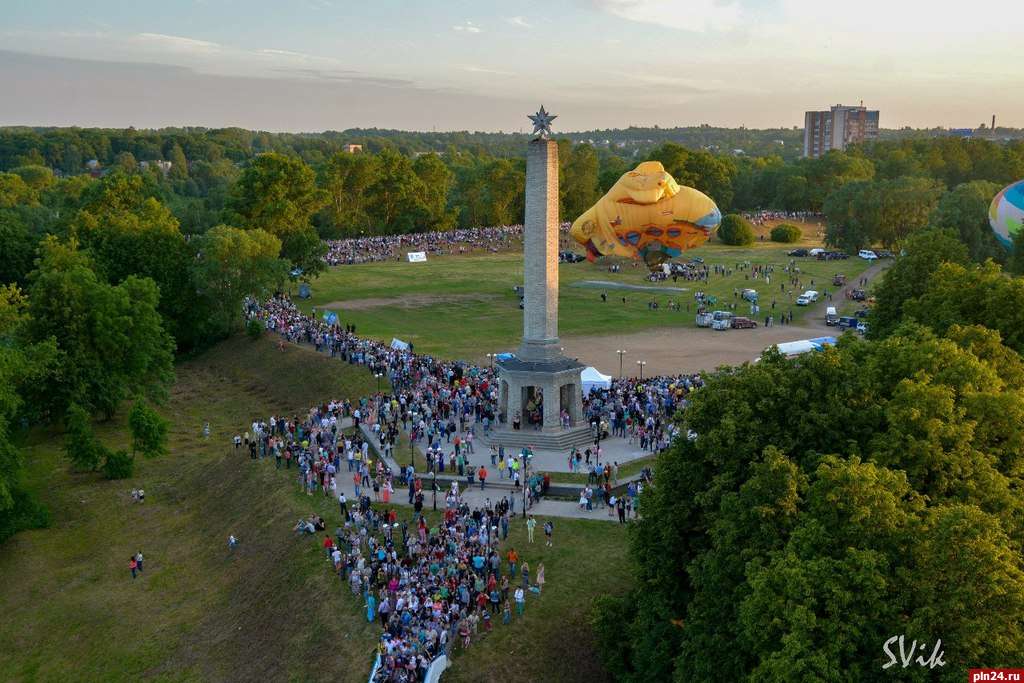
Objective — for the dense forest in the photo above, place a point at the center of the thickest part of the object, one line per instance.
(832, 502)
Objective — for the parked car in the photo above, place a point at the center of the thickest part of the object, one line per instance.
(867, 254)
(862, 312)
(802, 301)
(833, 256)
(815, 251)
(847, 322)
(721, 320)
(858, 295)
(797, 252)
(705, 319)
(570, 257)
(831, 318)
(749, 295)
(741, 323)
(838, 280)
(811, 295)
(885, 253)
(696, 259)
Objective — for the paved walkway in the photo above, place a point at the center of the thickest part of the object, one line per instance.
(476, 497)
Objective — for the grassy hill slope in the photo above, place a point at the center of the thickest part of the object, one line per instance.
(270, 611)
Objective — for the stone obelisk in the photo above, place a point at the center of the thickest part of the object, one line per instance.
(539, 376)
(540, 253)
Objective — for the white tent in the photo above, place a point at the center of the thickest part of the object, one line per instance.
(593, 379)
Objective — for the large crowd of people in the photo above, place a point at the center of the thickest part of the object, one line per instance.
(766, 216)
(431, 588)
(367, 249)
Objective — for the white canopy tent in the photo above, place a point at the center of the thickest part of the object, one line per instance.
(592, 379)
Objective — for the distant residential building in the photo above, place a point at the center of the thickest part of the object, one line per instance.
(352, 149)
(837, 128)
(164, 166)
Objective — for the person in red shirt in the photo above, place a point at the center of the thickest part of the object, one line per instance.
(328, 545)
(482, 473)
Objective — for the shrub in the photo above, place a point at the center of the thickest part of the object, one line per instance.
(736, 231)
(118, 464)
(80, 443)
(254, 328)
(786, 233)
(148, 429)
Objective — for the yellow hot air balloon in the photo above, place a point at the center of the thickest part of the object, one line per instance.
(646, 214)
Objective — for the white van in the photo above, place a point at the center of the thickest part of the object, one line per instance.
(831, 317)
(867, 254)
(811, 295)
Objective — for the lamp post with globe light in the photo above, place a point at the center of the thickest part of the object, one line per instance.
(641, 364)
(621, 352)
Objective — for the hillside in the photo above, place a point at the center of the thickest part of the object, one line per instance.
(270, 611)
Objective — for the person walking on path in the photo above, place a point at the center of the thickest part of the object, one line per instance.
(531, 523)
(482, 473)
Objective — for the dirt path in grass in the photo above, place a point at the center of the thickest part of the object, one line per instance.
(406, 301)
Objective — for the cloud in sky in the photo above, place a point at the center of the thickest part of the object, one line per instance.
(602, 62)
(178, 43)
(467, 27)
(518, 21)
(691, 15)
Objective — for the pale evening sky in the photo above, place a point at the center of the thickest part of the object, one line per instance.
(307, 65)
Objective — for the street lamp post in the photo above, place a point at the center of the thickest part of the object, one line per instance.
(524, 482)
(490, 358)
(378, 376)
(641, 364)
(621, 352)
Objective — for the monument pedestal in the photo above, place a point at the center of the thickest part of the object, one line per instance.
(557, 383)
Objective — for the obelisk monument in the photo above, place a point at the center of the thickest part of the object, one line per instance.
(540, 252)
(540, 400)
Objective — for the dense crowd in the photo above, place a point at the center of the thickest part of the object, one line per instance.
(432, 587)
(394, 247)
(762, 217)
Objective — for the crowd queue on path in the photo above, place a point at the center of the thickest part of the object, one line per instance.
(435, 585)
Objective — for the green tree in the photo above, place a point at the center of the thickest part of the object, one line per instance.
(148, 430)
(231, 264)
(179, 164)
(577, 170)
(909, 275)
(278, 194)
(110, 338)
(436, 181)
(396, 197)
(735, 230)
(80, 444)
(820, 509)
(964, 209)
(786, 233)
(347, 179)
(972, 295)
(126, 231)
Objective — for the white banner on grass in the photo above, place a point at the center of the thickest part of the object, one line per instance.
(417, 256)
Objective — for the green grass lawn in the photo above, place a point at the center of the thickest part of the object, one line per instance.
(270, 611)
(465, 306)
